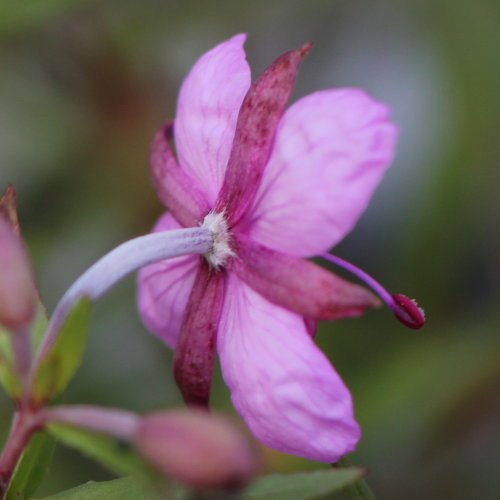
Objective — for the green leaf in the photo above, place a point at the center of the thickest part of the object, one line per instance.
(302, 485)
(8, 375)
(125, 488)
(32, 467)
(64, 357)
(117, 455)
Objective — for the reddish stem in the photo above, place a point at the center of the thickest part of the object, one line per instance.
(24, 425)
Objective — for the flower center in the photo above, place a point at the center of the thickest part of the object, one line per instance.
(221, 250)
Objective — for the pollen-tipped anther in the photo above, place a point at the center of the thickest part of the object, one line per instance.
(407, 311)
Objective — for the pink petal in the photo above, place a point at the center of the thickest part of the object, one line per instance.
(298, 285)
(164, 288)
(209, 101)
(195, 351)
(259, 116)
(331, 150)
(281, 383)
(175, 188)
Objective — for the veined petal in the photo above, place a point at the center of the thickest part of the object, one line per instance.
(175, 188)
(164, 288)
(259, 116)
(296, 284)
(281, 383)
(195, 351)
(209, 101)
(331, 150)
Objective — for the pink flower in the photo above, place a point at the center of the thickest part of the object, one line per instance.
(274, 187)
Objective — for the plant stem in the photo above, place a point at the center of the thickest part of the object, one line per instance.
(23, 426)
(21, 347)
(118, 423)
(360, 489)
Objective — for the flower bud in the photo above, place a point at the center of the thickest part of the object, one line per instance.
(197, 448)
(17, 289)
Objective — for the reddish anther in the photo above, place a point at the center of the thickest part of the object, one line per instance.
(408, 312)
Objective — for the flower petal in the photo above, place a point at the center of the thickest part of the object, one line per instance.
(298, 285)
(195, 351)
(332, 148)
(281, 383)
(164, 288)
(258, 119)
(209, 101)
(175, 188)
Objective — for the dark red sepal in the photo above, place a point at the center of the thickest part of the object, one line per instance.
(195, 350)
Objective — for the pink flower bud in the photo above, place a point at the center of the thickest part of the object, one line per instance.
(17, 290)
(198, 448)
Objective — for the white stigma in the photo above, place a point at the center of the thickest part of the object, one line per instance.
(219, 253)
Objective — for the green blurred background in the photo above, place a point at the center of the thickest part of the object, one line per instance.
(85, 83)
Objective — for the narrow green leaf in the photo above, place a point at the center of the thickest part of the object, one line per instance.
(302, 485)
(8, 375)
(125, 488)
(117, 455)
(32, 467)
(60, 363)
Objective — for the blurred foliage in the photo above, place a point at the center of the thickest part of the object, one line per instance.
(315, 485)
(83, 86)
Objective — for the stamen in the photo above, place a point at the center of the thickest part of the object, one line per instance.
(406, 310)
